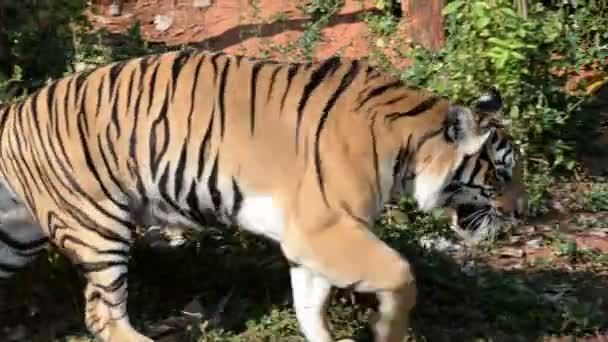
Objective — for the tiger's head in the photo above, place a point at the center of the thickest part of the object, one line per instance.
(469, 165)
(487, 191)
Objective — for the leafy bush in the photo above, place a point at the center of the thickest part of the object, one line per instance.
(490, 44)
(40, 37)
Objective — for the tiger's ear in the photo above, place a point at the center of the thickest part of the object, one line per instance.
(489, 108)
(462, 128)
(490, 102)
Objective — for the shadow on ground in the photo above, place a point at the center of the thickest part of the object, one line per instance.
(242, 286)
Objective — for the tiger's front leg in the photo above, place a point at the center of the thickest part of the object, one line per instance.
(347, 254)
(106, 307)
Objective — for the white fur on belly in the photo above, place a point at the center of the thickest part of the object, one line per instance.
(260, 215)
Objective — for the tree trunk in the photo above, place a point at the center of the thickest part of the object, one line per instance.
(425, 22)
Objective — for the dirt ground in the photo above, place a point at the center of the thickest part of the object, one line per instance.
(237, 26)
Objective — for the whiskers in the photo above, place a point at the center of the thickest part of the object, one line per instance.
(476, 224)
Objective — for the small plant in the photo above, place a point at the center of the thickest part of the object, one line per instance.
(320, 12)
(383, 24)
(597, 198)
(537, 183)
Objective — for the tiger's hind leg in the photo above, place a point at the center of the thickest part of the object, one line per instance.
(102, 255)
(21, 241)
(346, 254)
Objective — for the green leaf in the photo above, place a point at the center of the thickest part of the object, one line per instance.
(514, 112)
(482, 22)
(499, 41)
(451, 7)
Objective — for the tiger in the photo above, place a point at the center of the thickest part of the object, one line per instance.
(303, 154)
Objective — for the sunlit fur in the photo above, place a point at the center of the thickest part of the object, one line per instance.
(303, 154)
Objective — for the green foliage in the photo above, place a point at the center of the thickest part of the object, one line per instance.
(321, 12)
(597, 198)
(386, 4)
(537, 183)
(490, 44)
(381, 25)
(38, 29)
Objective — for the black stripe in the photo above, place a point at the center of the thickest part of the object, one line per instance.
(98, 99)
(53, 117)
(222, 95)
(428, 135)
(80, 80)
(291, 73)
(113, 74)
(193, 203)
(21, 245)
(238, 199)
(460, 170)
(88, 267)
(475, 171)
(130, 88)
(143, 65)
(4, 117)
(216, 196)
(494, 137)
(254, 79)
(93, 167)
(422, 107)
(114, 97)
(152, 87)
(349, 212)
(55, 223)
(6, 268)
(50, 98)
(66, 104)
(505, 156)
(379, 91)
(181, 167)
(30, 253)
(20, 167)
(111, 175)
(376, 167)
(176, 68)
(402, 156)
(33, 110)
(56, 119)
(394, 100)
(110, 147)
(346, 81)
(238, 60)
(156, 156)
(163, 184)
(203, 150)
(214, 63)
(327, 68)
(52, 189)
(501, 145)
(273, 79)
(116, 284)
(181, 164)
